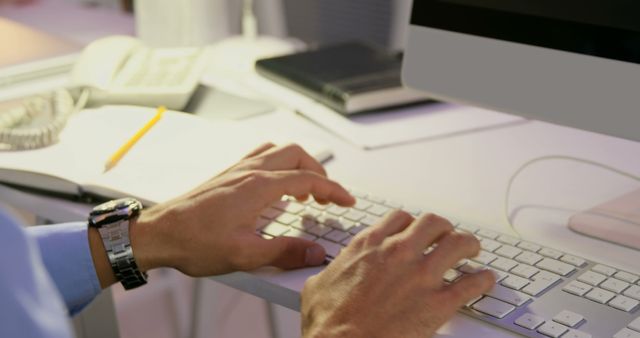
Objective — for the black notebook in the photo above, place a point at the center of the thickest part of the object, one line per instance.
(350, 78)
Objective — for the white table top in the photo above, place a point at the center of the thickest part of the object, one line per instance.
(464, 176)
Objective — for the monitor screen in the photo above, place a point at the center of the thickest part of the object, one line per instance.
(603, 28)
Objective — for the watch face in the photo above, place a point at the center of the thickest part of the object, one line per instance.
(114, 210)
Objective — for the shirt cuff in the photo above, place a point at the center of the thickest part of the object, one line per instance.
(67, 257)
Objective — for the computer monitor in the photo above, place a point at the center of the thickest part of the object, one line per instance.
(571, 62)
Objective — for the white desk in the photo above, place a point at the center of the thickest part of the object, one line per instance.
(464, 176)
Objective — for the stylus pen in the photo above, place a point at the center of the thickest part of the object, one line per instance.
(119, 154)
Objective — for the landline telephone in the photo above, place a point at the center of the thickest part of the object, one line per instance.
(112, 70)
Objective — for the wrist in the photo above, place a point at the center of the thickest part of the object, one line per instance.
(150, 240)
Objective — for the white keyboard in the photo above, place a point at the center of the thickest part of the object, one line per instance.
(540, 291)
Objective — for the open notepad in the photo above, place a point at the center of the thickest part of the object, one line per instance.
(180, 152)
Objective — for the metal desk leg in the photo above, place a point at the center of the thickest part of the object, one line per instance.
(98, 320)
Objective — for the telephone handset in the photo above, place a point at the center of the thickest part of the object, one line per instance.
(121, 70)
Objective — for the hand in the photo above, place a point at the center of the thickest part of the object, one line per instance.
(211, 230)
(383, 285)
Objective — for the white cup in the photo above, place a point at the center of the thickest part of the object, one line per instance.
(181, 23)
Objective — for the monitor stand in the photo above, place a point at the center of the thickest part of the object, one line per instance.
(616, 221)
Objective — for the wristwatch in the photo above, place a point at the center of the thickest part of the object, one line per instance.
(112, 220)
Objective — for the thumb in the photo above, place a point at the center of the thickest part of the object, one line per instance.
(289, 252)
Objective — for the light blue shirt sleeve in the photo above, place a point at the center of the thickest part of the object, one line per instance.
(67, 257)
(30, 304)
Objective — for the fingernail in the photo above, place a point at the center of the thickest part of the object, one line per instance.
(314, 255)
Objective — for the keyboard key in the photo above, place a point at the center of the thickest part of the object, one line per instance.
(508, 251)
(375, 199)
(599, 295)
(490, 245)
(332, 249)
(537, 287)
(337, 210)
(466, 227)
(592, 278)
(528, 258)
(286, 219)
(336, 236)
(603, 269)
(626, 333)
(493, 307)
(370, 220)
(524, 270)
(576, 334)
(486, 233)
(320, 230)
(354, 215)
(499, 275)
(546, 276)
(529, 321)
(508, 240)
(504, 264)
(577, 288)
(357, 229)
(625, 276)
(346, 241)
(300, 234)
(551, 253)
(451, 275)
(392, 204)
(471, 267)
(311, 213)
(378, 210)
(304, 223)
(633, 291)
(635, 324)
(340, 224)
(573, 260)
(568, 318)
(515, 282)
(505, 294)
(318, 206)
(275, 229)
(362, 204)
(624, 303)
(555, 266)
(528, 246)
(614, 285)
(485, 257)
(552, 329)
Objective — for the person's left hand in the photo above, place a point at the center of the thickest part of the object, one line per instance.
(211, 230)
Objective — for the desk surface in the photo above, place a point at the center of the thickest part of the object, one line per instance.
(464, 176)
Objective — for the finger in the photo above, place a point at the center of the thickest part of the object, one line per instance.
(393, 223)
(453, 247)
(288, 157)
(271, 185)
(469, 287)
(261, 149)
(426, 230)
(286, 253)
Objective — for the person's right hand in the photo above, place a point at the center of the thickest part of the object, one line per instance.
(383, 285)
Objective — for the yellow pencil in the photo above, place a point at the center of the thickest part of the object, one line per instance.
(119, 154)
